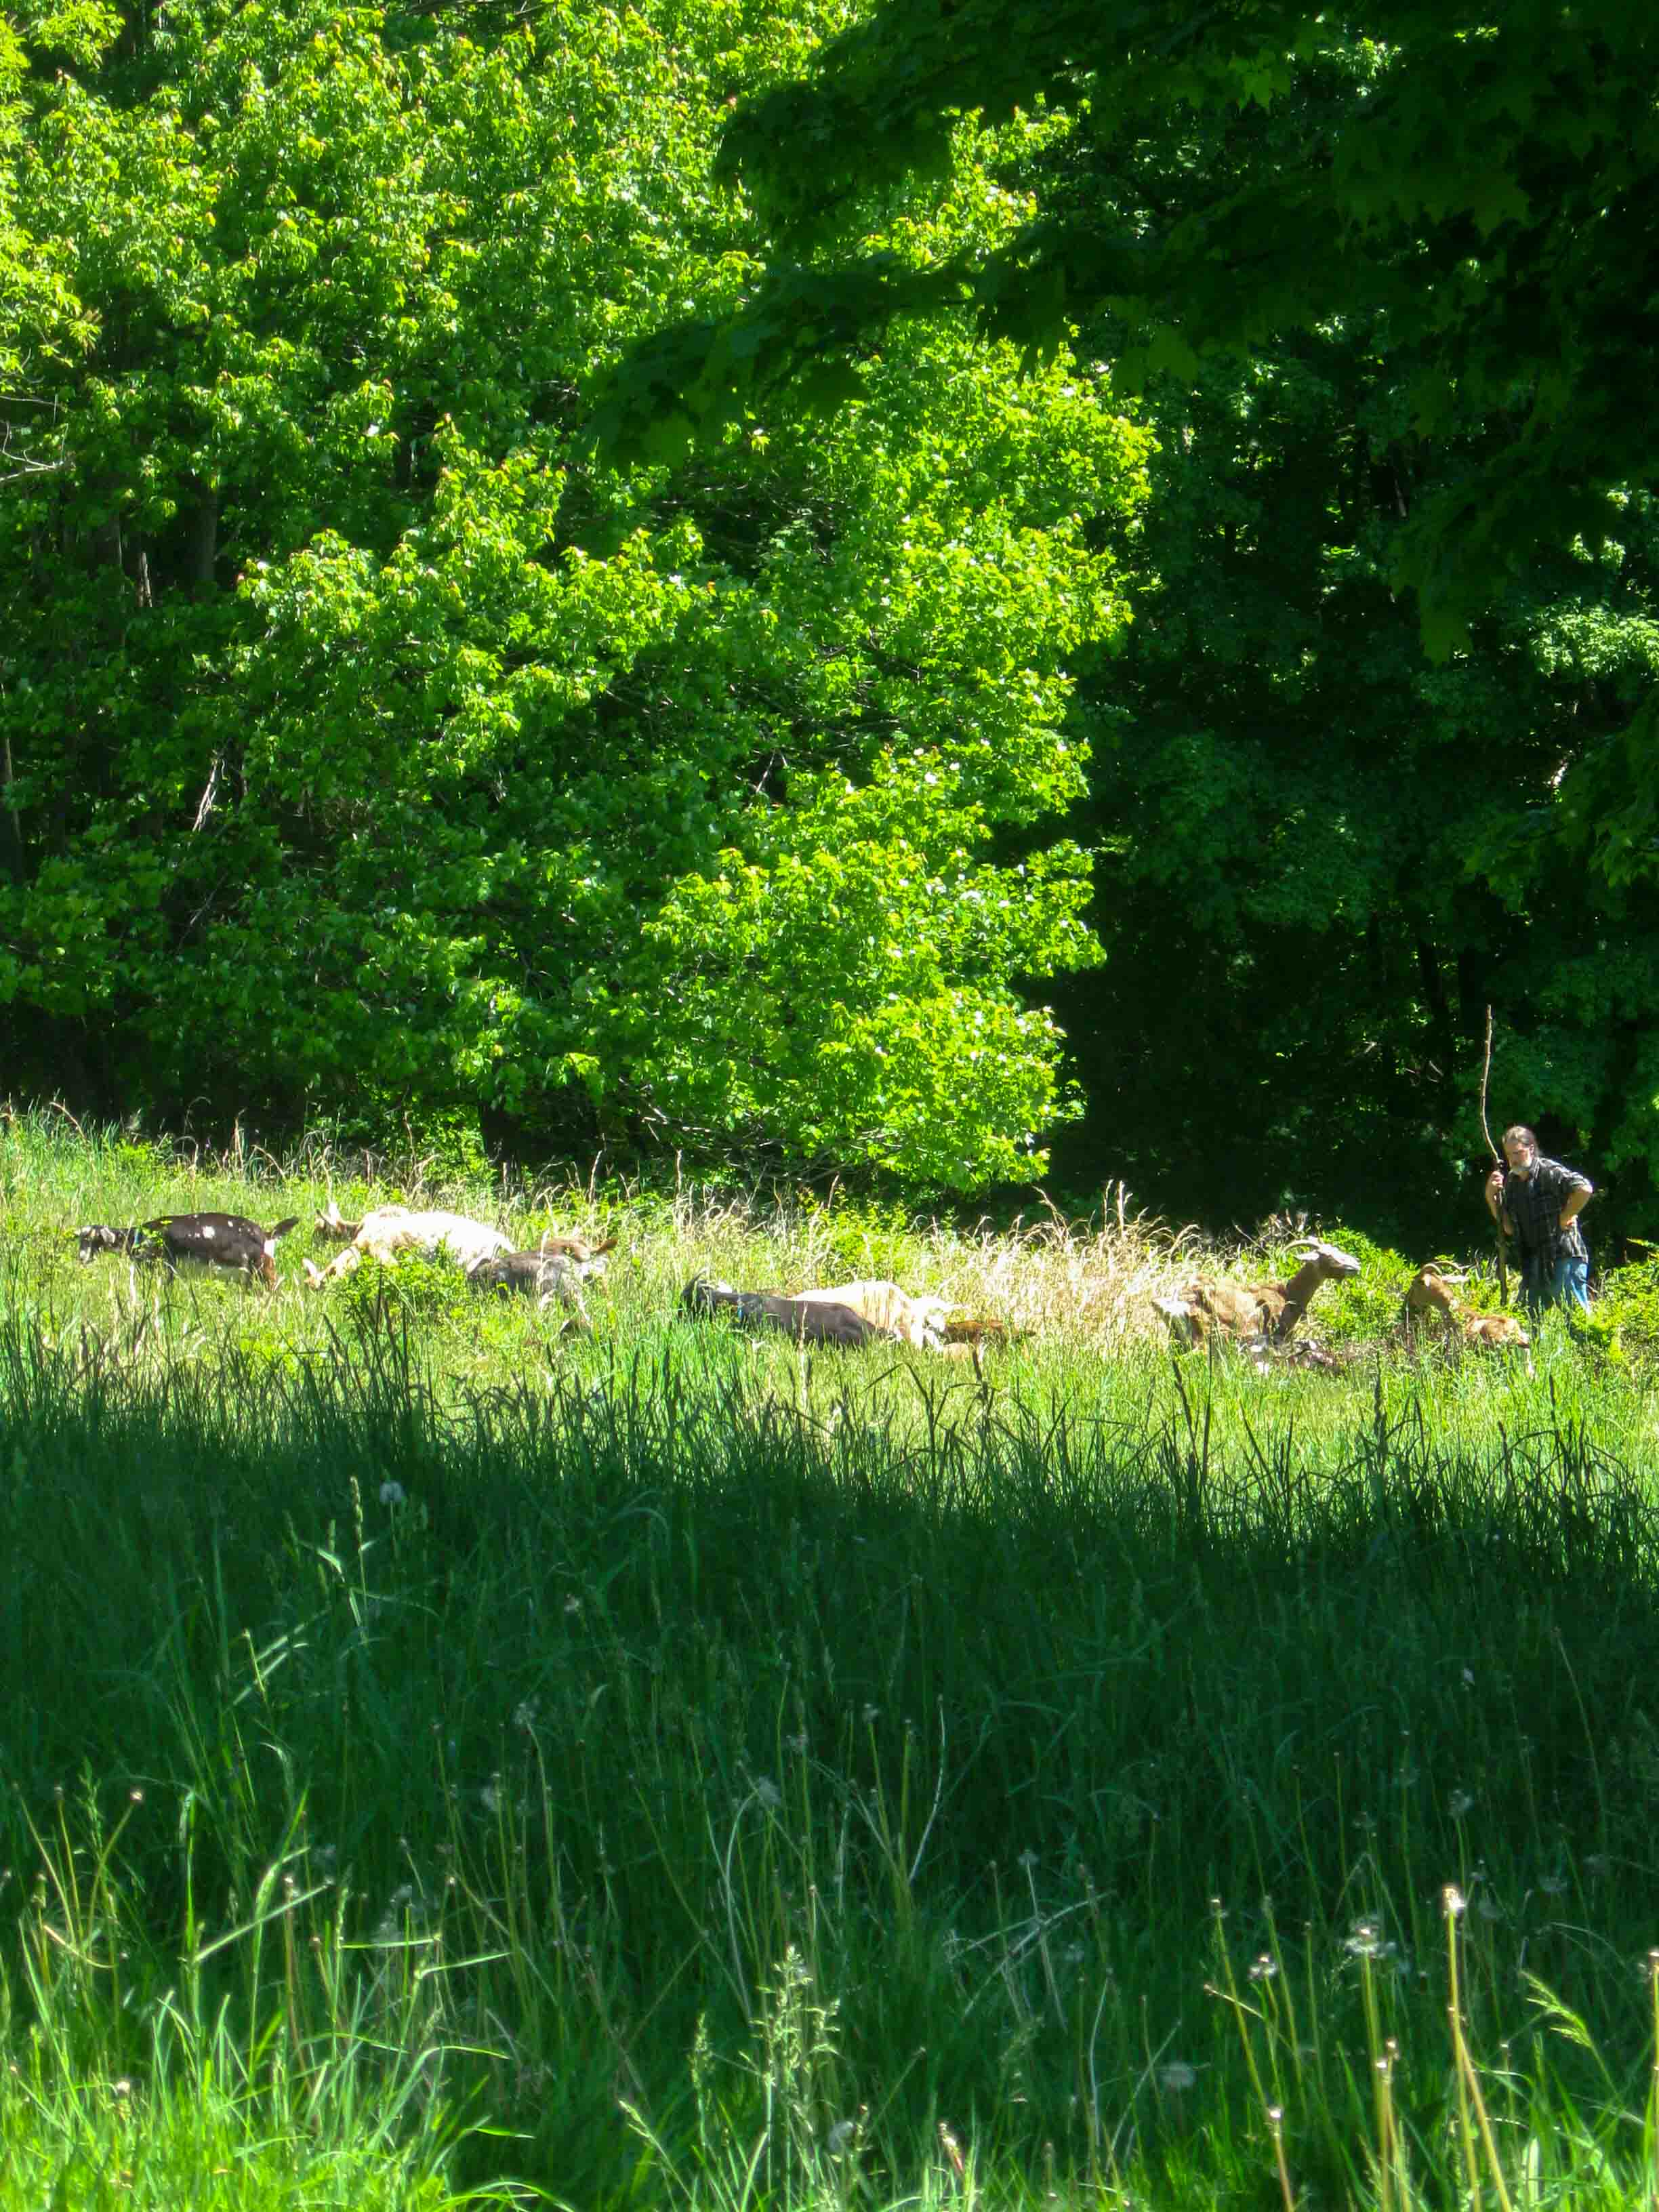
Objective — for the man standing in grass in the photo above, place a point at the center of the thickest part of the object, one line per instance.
(1539, 1204)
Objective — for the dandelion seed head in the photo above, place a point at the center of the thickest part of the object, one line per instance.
(1176, 2076)
(393, 1494)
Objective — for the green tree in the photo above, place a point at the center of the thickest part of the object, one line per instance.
(1474, 184)
(1320, 857)
(408, 753)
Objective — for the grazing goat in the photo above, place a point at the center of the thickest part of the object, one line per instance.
(890, 1310)
(1430, 1291)
(554, 1273)
(389, 1229)
(809, 1320)
(205, 1240)
(1240, 1311)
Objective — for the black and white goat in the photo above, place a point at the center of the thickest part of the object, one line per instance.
(230, 1241)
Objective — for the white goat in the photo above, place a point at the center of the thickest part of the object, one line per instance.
(389, 1229)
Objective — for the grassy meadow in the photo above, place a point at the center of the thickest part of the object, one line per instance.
(444, 1759)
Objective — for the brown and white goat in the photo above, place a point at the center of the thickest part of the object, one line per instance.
(889, 1310)
(808, 1320)
(1430, 1291)
(389, 1229)
(203, 1240)
(1238, 1311)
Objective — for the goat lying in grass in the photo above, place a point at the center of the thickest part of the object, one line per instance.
(203, 1240)
(889, 1310)
(1241, 1311)
(807, 1320)
(1430, 1291)
(389, 1229)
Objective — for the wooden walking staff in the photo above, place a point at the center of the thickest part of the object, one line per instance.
(1497, 1161)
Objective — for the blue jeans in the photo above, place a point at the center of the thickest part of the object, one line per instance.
(1568, 1283)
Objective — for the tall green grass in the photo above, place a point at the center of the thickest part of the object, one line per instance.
(654, 1771)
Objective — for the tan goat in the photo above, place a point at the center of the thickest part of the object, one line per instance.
(1430, 1291)
(1224, 1307)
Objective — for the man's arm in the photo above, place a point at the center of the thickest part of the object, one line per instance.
(1578, 1196)
(1574, 1190)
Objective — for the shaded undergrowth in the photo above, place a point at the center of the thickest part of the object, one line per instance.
(654, 1783)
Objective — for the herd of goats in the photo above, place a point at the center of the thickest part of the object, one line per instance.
(1261, 1318)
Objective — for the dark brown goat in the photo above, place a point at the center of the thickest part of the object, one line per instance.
(205, 1240)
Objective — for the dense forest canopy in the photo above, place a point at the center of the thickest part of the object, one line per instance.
(495, 624)
(1388, 286)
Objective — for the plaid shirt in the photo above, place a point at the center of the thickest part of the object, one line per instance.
(1531, 1207)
